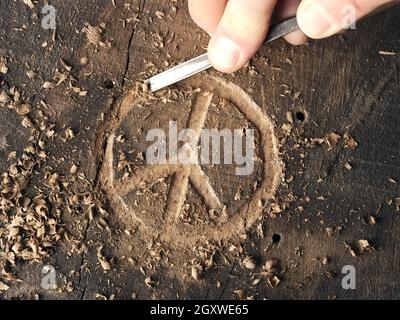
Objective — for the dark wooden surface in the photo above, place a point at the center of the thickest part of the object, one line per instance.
(344, 85)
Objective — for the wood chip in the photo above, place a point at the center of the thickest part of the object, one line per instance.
(160, 15)
(272, 267)
(95, 37)
(370, 220)
(387, 53)
(197, 272)
(104, 263)
(332, 139)
(3, 286)
(348, 166)
(29, 3)
(5, 98)
(150, 282)
(74, 169)
(69, 134)
(365, 246)
(250, 262)
(274, 281)
(3, 65)
(350, 142)
(333, 231)
(23, 109)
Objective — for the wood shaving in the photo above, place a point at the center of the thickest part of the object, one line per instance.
(3, 286)
(197, 272)
(104, 263)
(69, 134)
(365, 246)
(95, 36)
(350, 142)
(23, 109)
(348, 166)
(359, 247)
(31, 74)
(332, 139)
(370, 220)
(387, 53)
(29, 3)
(250, 262)
(272, 267)
(150, 282)
(274, 281)
(5, 98)
(240, 294)
(333, 231)
(160, 15)
(3, 65)
(74, 169)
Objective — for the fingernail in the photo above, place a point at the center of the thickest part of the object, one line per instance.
(224, 53)
(315, 21)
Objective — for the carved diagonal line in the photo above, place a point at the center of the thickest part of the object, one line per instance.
(149, 173)
(177, 195)
(199, 113)
(203, 186)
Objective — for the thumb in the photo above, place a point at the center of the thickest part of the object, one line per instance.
(240, 33)
(323, 18)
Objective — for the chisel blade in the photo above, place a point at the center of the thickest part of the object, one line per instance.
(201, 63)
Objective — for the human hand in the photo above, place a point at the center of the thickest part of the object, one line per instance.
(238, 28)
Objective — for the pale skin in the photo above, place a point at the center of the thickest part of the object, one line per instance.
(238, 27)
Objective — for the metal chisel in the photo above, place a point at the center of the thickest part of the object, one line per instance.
(201, 63)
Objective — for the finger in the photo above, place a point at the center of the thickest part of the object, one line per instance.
(207, 13)
(322, 18)
(240, 33)
(296, 38)
(286, 9)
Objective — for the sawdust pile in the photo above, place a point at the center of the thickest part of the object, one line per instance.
(33, 198)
